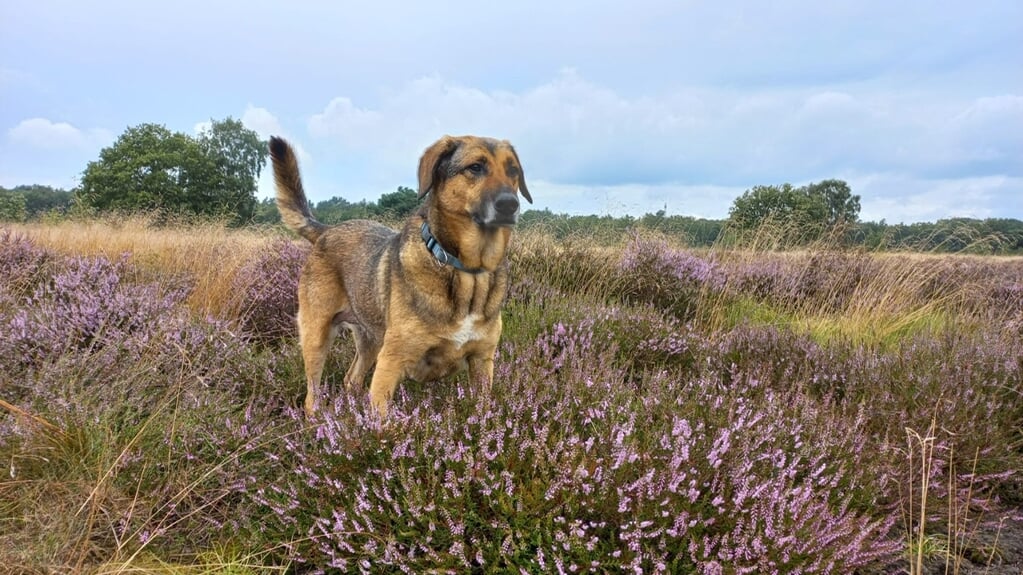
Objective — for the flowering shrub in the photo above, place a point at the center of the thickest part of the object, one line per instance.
(621, 434)
(84, 307)
(21, 263)
(267, 290)
(671, 278)
(86, 321)
(569, 467)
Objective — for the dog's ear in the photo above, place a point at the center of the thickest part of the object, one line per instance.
(430, 162)
(522, 177)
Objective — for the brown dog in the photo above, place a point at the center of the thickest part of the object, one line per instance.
(420, 303)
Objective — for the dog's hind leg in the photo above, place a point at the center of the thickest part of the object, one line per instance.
(317, 327)
(316, 335)
(366, 350)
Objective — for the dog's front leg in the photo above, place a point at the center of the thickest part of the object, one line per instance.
(388, 372)
(481, 371)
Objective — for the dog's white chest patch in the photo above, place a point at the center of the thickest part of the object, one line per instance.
(467, 331)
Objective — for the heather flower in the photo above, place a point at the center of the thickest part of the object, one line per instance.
(21, 265)
(267, 290)
(667, 277)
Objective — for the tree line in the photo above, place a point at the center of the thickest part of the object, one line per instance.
(150, 168)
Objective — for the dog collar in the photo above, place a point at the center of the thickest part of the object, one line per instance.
(442, 255)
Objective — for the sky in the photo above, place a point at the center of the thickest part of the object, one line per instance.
(614, 107)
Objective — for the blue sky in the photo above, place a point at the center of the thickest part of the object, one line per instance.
(614, 107)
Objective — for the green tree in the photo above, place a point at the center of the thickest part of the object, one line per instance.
(12, 206)
(41, 199)
(399, 204)
(239, 156)
(338, 209)
(840, 205)
(149, 167)
(762, 204)
(266, 212)
(800, 214)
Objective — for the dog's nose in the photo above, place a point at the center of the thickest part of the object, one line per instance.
(506, 204)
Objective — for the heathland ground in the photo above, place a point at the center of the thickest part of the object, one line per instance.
(656, 408)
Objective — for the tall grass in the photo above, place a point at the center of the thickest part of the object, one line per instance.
(655, 409)
(207, 254)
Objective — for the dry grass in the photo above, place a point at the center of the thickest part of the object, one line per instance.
(573, 265)
(210, 253)
(883, 304)
(876, 297)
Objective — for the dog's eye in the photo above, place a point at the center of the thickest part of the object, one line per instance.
(475, 168)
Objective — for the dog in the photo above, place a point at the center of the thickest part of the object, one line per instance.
(423, 302)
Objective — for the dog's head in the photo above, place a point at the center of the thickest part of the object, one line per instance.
(475, 177)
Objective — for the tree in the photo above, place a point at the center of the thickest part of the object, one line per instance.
(240, 156)
(399, 204)
(41, 199)
(266, 212)
(12, 206)
(149, 167)
(762, 204)
(803, 214)
(840, 205)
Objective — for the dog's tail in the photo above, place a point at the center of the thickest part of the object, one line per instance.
(291, 200)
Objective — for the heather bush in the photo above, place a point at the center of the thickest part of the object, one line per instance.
(825, 279)
(21, 265)
(668, 277)
(266, 290)
(117, 390)
(83, 308)
(570, 466)
(624, 432)
(900, 285)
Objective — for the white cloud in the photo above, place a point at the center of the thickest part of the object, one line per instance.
(48, 135)
(261, 121)
(344, 121)
(201, 127)
(904, 198)
(266, 124)
(589, 142)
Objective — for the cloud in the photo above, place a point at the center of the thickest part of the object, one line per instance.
(576, 131)
(903, 198)
(343, 120)
(266, 124)
(261, 121)
(637, 152)
(988, 134)
(44, 134)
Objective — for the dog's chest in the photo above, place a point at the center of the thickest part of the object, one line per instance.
(448, 355)
(468, 331)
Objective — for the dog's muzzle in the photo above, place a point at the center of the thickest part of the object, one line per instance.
(507, 206)
(503, 211)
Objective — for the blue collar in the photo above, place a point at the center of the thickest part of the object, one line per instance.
(442, 255)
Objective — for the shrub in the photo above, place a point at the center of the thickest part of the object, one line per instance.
(21, 265)
(267, 290)
(115, 391)
(569, 466)
(670, 278)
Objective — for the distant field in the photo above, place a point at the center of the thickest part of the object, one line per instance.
(656, 409)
